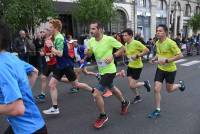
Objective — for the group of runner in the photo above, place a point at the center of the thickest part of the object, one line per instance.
(58, 62)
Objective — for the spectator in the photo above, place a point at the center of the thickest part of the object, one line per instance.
(178, 40)
(39, 43)
(20, 46)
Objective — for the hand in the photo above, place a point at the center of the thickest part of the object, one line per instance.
(133, 57)
(54, 51)
(109, 59)
(86, 51)
(162, 62)
(82, 61)
(42, 53)
(49, 44)
(153, 61)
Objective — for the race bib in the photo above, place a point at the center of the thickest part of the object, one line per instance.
(163, 59)
(47, 58)
(130, 59)
(101, 63)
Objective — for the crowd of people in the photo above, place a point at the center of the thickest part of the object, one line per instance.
(53, 53)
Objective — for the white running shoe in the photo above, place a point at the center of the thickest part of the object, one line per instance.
(51, 110)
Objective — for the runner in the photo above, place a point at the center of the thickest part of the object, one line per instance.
(134, 50)
(102, 46)
(81, 68)
(50, 63)
(65, 67)
(82, 64)
(16, 100)
(167, 53)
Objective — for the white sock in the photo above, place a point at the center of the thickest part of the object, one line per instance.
(158, 109)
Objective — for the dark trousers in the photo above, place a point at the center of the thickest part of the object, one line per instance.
(24, 57)
(43, 130)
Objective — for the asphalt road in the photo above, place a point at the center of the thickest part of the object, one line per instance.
(180, 110)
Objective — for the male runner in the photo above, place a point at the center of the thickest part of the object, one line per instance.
(102, 46)
(16, 100)
(64, 66)
(134, 50)
(167, 53)
(50, 64)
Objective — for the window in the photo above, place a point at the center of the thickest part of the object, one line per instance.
(187, 10)
(197, 9)
(162, 5)
(120, 0)
(143, 3)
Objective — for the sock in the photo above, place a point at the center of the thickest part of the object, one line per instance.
(158, 109)
(103, 114)
(123, 101)
(55, 106)
(138, 96)
(42, 93)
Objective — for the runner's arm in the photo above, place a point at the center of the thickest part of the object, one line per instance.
(33, 77)
(175, 58)
(119, 52)
(15, 108)
(144, 52)
(154, 59)
(32, 73)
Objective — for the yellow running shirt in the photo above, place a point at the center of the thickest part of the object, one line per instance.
(132, 49)
(103, 49)
(165, 50)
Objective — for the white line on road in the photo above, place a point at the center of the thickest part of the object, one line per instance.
(190, 63)
(181, 60)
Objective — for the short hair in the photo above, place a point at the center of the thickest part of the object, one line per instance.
(5, 36)
(128, 31)
(164, 27)
(56, 24)
(99, 24)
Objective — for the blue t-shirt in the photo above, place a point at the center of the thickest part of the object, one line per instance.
(61, 45)
(14, 85)
(80, 51)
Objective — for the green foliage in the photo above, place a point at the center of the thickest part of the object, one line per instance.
(27, 13)
(89, 10)
(194, 22)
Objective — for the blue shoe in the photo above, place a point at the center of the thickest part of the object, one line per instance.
(74, 90)
(98, 76)
(154, 114)
(182, 88)
(40, 98)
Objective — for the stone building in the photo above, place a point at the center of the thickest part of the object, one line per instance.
(140, 15)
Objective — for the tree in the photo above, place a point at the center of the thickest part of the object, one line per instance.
(194, 22)
(86, 11)
(25, 14)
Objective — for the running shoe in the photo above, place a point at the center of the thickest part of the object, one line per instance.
(40, 98)
(74, 90)
(147, 85)
(137, 99)
(51, 110)
(154, 114)
(102, 119)
(182, 88)
(107, 93)
(124, 107)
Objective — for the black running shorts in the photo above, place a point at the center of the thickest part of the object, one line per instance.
(107, 80)
(168, 76)
(68, 72)
(48, 69)
(134, 73)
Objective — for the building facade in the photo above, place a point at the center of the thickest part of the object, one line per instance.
(140, 15)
